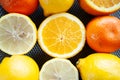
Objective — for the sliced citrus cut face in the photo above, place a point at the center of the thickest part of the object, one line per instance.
(17, 34)
(58, 69)
(100, 7)
(61, 35)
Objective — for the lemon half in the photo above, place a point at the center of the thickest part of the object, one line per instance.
(58, 69)
(17, 34)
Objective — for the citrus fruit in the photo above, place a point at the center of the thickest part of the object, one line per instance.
(61, 35)
(19, 67)
(58, 69)
(17, 34)
(99, 66)
(55, 6)
(103, 34)
(26, 7)
(100, 7)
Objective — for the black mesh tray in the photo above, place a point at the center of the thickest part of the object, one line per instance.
(38, 55)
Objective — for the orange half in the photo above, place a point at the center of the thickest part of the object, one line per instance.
(100, 7)
(61, 35)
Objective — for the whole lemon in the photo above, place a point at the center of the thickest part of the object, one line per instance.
(99, 66)
(55, 6)
(19, 67)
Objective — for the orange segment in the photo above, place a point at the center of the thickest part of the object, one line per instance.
(61, 34)
(100, 7)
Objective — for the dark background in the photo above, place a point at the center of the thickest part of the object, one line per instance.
(37, 54)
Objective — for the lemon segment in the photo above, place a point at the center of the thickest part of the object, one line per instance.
(58, 69)
(17, 34)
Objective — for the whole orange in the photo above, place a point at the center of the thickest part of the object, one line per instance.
(26, 7)
(103, 34)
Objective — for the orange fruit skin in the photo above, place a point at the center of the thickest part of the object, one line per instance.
(91, 10)
(103, 34)
(26, 7)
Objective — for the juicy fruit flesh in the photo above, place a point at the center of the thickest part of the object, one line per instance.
(61, 35)
(15, 31)
(64, 36)
(58, 69)
(105, 3)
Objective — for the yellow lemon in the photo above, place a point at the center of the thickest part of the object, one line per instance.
(99, 66)
(17, 34)
(55, 6)
(19, 67)
(61, 35)
(58, 69)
